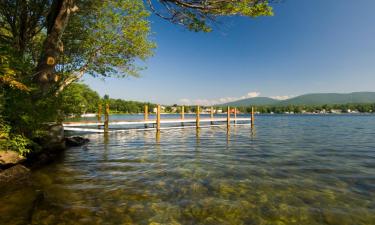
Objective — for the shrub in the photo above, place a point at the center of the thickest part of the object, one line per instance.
(13, 142)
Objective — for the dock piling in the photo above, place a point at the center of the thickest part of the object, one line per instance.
(235, 116)
(198, 117)
(212, 115)
(158, 118)
(182, 114)
(106, 118)
(146, 115)
(252, 116)
(99, 115)
(228, 118)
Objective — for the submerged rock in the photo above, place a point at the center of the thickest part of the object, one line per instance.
(335, 218)
(10, 168)
(17, 173)
(75, 141)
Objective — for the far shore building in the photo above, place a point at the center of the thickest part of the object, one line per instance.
(155, 110)
(208, 110)
(336, 111)
(352, 111)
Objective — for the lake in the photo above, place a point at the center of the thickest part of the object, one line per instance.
(289, 169)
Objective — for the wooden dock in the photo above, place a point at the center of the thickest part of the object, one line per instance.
(156, 124)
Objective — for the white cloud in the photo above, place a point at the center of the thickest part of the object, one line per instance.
(284, 97)
(252, 95)
(207, 102)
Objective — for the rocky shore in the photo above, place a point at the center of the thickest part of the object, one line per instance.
(16, 177)
(11, 168)
(16, 168)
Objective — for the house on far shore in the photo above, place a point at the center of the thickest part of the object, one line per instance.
(336, 111)
(208, 110)
(352, 111)
(155, 110)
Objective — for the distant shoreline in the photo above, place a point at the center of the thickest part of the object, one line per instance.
(257, 113)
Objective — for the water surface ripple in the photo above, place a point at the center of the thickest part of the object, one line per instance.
(288, 170)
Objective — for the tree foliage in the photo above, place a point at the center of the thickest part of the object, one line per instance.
(11, 141)
(105, 38)
(61, 40)
(78, 99)
(98, 38)
(46, 45)
(123, 106)
(8, 74)
(198, 15)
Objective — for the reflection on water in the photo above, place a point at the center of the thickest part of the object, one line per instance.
(291, 170)
(157, 136)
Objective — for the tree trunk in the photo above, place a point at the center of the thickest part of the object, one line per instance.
(57, 20)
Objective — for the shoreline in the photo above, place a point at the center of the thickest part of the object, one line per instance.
(16, 168)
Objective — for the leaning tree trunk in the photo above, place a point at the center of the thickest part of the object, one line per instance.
(57, 20)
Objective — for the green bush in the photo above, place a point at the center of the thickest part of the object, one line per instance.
(13, 142)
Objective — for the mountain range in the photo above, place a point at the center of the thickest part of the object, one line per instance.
(309, 99)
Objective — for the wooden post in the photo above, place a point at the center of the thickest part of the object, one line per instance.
(235, 115)
(106, 118)
(212, 115)
(158, 118)
(228, 118)
(198, 119)
(252, 116)
(99, 116)
(182, 114)
(99, 113)
(146, 115)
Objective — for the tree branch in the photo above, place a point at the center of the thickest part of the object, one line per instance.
(191, 5)
(78, 74)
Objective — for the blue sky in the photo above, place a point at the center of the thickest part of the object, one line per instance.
(309, 46)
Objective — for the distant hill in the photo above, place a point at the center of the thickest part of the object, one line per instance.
(331, 98)
(253, 101)
(310, 99)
